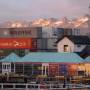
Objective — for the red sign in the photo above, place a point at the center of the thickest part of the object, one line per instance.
(15, 43)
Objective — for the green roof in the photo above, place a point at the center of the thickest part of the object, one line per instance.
(10, 58)
(45, 57)
(87, 59)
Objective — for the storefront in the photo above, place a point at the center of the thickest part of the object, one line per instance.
(47, 64)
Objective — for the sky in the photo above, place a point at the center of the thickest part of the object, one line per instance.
(34, 9)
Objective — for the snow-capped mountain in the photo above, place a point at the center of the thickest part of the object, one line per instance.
(43, 22)
(13, 24)
(82, 22)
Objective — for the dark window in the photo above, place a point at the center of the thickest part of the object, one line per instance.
(12, 67)
(4, 66)
(28, 69)
(65, 48)
(19, 68)
(8, 66)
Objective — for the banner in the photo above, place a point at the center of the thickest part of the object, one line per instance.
(15, 43)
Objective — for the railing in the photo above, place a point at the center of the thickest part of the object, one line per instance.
(43, 86)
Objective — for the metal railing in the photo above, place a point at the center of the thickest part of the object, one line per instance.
(28, 86)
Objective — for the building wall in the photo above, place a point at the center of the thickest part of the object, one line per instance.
(67, 31)
(4, 32)
(32, 32)
(76, 31)
(84, 31)
(42, 44)
(48, 32)
(51, 43)
(52, 32)
(65, 41)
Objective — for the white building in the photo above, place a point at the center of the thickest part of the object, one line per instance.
(73, 43)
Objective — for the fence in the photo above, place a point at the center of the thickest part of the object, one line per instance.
(28, 86)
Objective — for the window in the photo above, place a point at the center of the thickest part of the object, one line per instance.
(19, 68)
(65, 48)
(28, 69)
(4, 66)
(8, 66)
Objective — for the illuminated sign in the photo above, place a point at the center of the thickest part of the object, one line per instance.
(15, 43)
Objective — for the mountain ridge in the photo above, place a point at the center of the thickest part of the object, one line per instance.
(81, 22)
